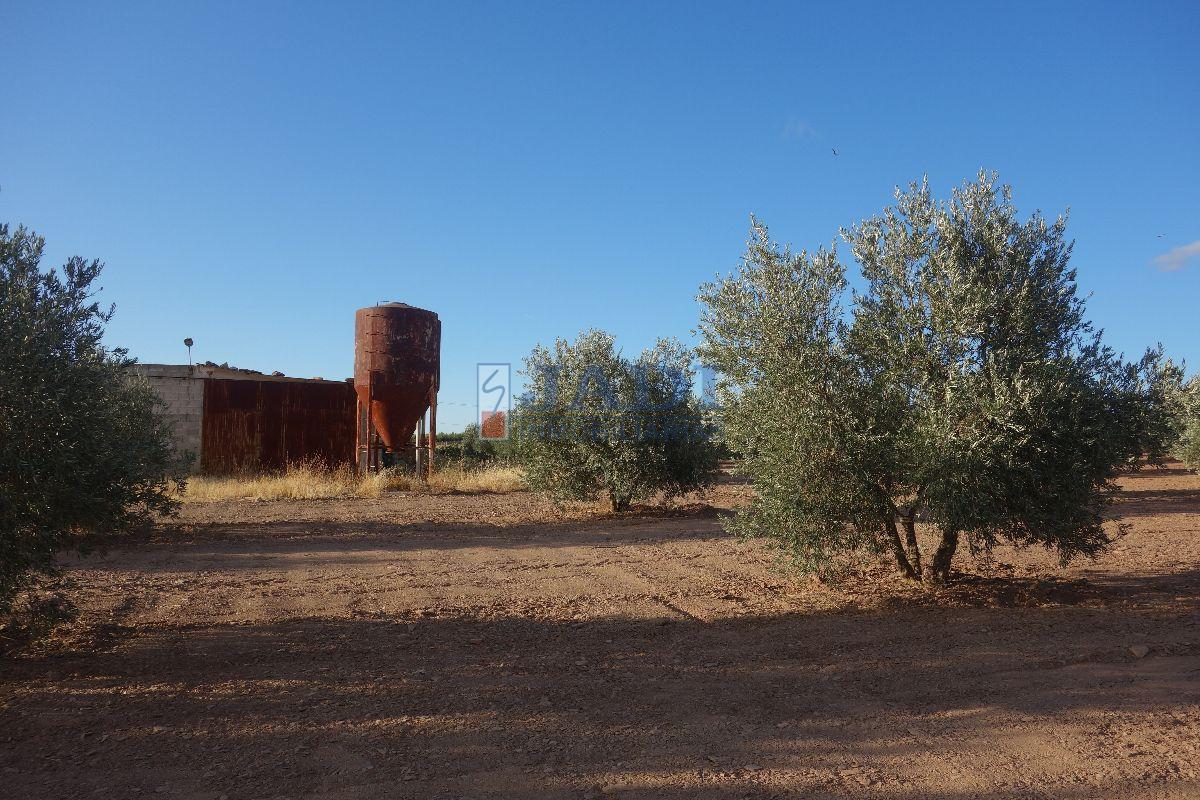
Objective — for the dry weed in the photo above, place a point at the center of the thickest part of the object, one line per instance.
(496, 479)
(317, 482)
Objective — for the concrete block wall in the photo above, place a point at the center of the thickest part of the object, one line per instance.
(183, 392)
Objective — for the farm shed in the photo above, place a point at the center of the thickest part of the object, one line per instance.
(235, 420)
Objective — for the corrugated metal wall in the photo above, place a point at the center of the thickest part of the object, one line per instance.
(254, 425)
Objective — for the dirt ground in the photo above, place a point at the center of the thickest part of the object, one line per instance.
(490, 647)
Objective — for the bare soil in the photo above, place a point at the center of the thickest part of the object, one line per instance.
(491, 646)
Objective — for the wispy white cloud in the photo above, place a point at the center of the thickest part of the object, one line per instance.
(798, 129)
(1180, 257)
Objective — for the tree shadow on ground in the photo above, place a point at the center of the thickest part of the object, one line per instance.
(1172, 469)
(698, 523)
(1153, 502)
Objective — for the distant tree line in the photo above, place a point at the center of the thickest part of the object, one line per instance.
(471, 449)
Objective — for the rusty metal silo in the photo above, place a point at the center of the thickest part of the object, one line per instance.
(397, 368)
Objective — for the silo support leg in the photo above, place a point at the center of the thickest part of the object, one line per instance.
(420, 448)
(432, 426)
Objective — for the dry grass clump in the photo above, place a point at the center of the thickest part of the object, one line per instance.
(297, 482)
(318, 482)
(495, 479)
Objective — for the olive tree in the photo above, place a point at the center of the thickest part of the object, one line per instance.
(83, 447)
(1187, 446)
(962, 390)
(593, 423)
(1183, 405)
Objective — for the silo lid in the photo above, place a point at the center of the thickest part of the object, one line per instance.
(398, 304)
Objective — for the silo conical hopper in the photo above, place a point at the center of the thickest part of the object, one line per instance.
(397, 365)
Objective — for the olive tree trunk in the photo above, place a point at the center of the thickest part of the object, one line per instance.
(939, 569)
(907, 552)
(896, 547)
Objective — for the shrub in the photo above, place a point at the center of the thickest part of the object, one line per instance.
(83, 447)
(965, 388)
(594, 424)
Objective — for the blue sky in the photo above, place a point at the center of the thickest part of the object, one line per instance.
(253, 172)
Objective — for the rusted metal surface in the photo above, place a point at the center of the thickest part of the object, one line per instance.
(252, 425)
(397, 366)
